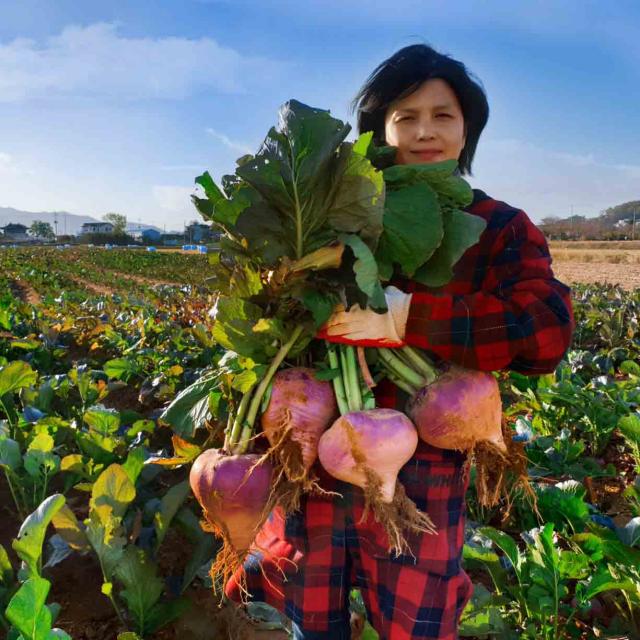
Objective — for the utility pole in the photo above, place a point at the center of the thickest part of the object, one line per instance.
(633, 226)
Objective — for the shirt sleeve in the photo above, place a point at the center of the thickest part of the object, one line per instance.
(521, 319)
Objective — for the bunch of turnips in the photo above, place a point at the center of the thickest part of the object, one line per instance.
(311, 223)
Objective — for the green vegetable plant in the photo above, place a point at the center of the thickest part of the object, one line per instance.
(31, 618)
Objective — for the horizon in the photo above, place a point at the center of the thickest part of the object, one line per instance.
(120, 107)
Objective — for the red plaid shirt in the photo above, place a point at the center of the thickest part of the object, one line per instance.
(503, 308)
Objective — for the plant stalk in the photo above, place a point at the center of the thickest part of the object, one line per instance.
(236, 430)
(11, 425)
(299, 239)
(256, 399)
(338, 382)
(421, 363)
(400, 369)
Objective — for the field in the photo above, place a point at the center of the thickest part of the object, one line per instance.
(95, 346)
(593, 261)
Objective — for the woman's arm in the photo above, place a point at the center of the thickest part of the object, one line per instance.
(521, 320)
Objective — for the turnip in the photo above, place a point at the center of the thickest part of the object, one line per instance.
(367, 448)
(233, 492)
(235, 488)
(461, 409)
(300, 408)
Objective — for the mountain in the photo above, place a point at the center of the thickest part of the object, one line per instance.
(68, 223)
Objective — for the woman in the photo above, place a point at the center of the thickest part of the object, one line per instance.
(503, 309)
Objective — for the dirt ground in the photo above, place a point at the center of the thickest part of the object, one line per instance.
(628, 276)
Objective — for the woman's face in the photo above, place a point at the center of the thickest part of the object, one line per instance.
(427, 125)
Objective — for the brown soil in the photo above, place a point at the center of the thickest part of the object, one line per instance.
(91, 286)
(143, 280)
(25, 292)
(590, 273)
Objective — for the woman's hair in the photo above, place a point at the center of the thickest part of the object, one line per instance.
(403, 73)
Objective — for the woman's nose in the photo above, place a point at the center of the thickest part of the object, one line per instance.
(424, 130)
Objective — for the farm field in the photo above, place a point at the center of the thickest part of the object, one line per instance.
(101, 354)
(597, 261)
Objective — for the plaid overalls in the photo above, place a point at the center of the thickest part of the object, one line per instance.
(503, 309)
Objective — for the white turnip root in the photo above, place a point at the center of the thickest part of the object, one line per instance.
(461, 409)
(300, 409)
(233, 492)
(368, 449)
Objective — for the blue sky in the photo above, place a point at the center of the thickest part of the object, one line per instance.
(117, 106)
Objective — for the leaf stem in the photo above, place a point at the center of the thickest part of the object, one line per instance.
(400, 370)
(299, 243)
(338, 382)
(256, 399)
(420, 362)
(11, 425)
(7, 472)
(236, 429)
(350, 375)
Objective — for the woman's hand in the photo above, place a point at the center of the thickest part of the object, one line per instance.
(366, 328)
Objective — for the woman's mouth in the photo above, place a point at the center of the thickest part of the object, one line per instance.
(427, 155)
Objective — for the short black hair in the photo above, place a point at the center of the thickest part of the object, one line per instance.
(402, 73)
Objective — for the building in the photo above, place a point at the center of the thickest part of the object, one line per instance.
(197, 232)
(150, 235)
(96, 227)
(15, 233)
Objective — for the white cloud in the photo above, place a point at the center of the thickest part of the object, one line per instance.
(546, 182)
(227, 142)
(96, 61)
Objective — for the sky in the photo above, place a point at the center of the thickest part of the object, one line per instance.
(119, 105)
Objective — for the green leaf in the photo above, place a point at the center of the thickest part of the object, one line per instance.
(563, 507)
(28, 543)
(461, 231)
(10, 453)
(630, 367)
(142, 586)
(103, 421)
(27, 610)
(16, 375)
(630, 427)
(190, 408)
(604, 581)
(413, 228)
(221, 210)
(320, 304)
(120, 368)
(506, 543)
(453, 191)
(27, 345)
(245, 380)
(366, 271)
(574, 566)
(134, 463)
(481, 616)
(358, 203)
(6, 570)
(169, 505)
(233, 328)
(112, 493)
(39, 459)
(141, 426)
(69, 529)
(128, 635)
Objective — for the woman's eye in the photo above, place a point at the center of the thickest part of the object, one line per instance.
(443, 115)
(403, 118)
